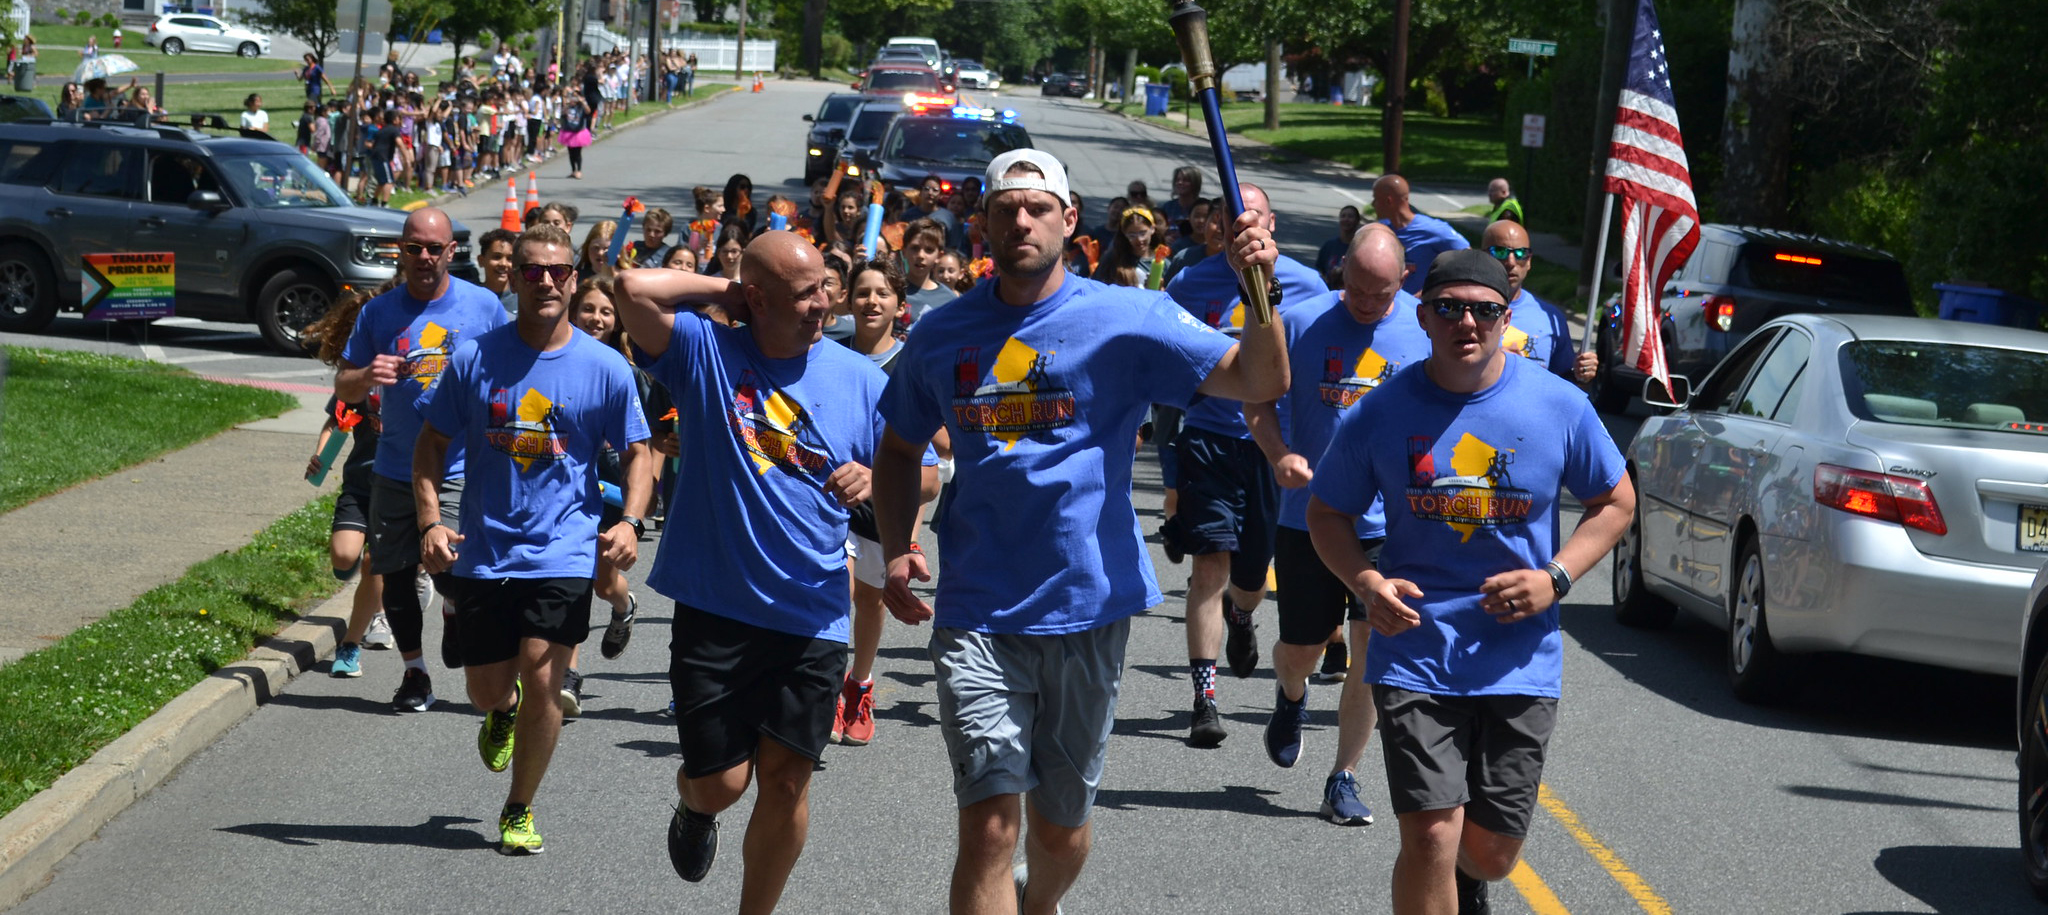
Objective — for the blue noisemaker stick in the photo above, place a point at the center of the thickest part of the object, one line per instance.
(777, 222)
(625, 228)
(1191, 29)
(873, 238)
(612, 496)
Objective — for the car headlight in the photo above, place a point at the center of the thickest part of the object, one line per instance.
(816, 151)
(375, 251)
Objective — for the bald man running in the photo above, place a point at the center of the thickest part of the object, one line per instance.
(788, 432)
(1536, 329)
(1422, 236)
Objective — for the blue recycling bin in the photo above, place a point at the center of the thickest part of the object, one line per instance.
(1984, 305)
(1157, 97)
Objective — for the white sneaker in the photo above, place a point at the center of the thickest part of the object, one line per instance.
(379, 634)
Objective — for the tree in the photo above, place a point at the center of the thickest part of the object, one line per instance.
(309, 21)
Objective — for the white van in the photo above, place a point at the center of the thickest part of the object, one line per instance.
(925, 46)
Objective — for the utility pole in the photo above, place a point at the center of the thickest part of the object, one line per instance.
(1272, 85)
(654, 75)
(1397, 94)
(1621, 31)
(739, 63)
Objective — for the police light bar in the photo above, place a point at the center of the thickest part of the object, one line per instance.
(1007, 115)
(915, 100)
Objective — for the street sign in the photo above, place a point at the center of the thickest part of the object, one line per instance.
(129, 286)
(1532, 46)
(373, 15)
(1532, 130)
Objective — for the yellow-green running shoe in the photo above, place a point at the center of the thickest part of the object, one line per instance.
(516, 835)
(494, 736)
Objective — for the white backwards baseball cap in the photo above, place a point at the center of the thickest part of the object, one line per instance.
(1054, 179)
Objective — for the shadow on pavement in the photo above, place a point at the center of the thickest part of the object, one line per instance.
(1172, 726)
(359, 704)
(1227, 799)
(908, 713)
(1885, 798)
(436, 832)
(652, 749)
(1958, 880)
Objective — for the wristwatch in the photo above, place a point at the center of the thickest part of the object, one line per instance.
(639, 527)
(1560, 579)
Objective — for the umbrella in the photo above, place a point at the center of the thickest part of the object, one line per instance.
(102, 67)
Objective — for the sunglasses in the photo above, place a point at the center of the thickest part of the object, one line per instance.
(555, 273)
(1453, 309)
(433, 249)
(1501, 253)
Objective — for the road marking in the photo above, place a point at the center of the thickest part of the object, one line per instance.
(177, 321)
(215, 338)
(1354, 198)
(1535, 892)
(204, 357)
(295, 373)
(1637, 888)
(152, 352)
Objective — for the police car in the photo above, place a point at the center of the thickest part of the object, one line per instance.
(935, 137)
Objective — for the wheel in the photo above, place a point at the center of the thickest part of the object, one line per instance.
(2033, 800)
(174, 47)
(1757, 671)
(1634, 605)
(28, 290)
(292, 299)
(248, 49)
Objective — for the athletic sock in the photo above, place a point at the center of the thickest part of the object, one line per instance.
(419, 663)
(1205, 677)
(1235, 616)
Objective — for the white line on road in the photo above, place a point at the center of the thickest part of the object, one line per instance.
(296, 373)
(177, 322)
(152, 352)
(216, 338)
(204, 357)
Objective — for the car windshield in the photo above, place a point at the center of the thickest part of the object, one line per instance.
(837, 110)
(1947, 384)
(281, 179)
(953, 140)
(1824, 275)
(868, 125)
(882, 80)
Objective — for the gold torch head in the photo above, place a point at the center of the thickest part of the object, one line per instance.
(1191, 30)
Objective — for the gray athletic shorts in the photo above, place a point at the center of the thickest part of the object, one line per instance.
(394, 522)
(1482, 753)
(1030, 714)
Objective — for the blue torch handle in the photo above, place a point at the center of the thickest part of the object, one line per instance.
(1219, 140)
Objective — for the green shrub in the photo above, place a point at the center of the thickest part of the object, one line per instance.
(62, 14)
(110, 21)
(82, 18)
(835, 51)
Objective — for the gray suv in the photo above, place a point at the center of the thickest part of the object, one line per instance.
(261, 234)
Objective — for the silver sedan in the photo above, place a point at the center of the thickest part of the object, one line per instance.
(1857, 483)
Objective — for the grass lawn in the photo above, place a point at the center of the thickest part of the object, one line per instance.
(71, 417)
(1466, 150)
(61, 704)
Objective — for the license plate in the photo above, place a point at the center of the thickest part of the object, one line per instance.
(2034, 528)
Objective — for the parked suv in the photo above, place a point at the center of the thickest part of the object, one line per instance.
(181, 32)
(259, 232)
(1736, 280)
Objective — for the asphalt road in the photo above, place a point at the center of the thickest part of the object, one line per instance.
(1887, 788)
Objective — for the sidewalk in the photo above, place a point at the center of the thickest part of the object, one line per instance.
(76, 556)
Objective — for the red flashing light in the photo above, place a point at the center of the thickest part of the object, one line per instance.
(1805, 259)
(1879, 496)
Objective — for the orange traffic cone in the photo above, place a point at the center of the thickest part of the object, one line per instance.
(510, 221)
(532, 190)
(757, 81)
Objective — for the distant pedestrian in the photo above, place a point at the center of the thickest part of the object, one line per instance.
(253, 115)
(315, 77)
(575, 132)
(1504, 202)
(1467, 452)
(1422, 236)
(1330, 257)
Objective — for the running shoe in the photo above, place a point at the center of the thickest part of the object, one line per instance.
(348, 661)
(671, 710)
(1283, 730)
(516, 835)
(572, 694)
(1472, 896)
(1336, 663)
(1205, 729)
(379, 637)
(857, 705)
(415, 692)
(692, 843)
(838, 734)
(1341, 804)
(1021, 875)
(620, 631)
(1240, 642)
(494, 736)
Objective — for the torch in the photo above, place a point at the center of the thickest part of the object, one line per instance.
(1191, 29)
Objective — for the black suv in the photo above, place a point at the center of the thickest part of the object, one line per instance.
(954, 143)
(1738, 278)
(260, 233)
(828, 130)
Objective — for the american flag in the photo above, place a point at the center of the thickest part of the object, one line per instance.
(1646, 167)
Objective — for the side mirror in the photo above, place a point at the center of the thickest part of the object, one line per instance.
(1674, 399)
(207, 201)
(810, 119)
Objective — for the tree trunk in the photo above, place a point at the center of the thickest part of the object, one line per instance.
(814, 37)
(1130, 75)
(1756, 135)
(739, 62)
(1397, 93)
(1272, 85)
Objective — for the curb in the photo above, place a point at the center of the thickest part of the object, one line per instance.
(41, 833)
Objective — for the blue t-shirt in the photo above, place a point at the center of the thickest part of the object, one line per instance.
(1336, 361)
(1540, 331)
(1425, 237)
(1208, 290)
(767, 545)
(533, 424)
(1470, 483)
(1043, 403)
(422, 334)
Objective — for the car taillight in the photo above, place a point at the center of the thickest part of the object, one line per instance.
(1720, 312)
(1882, 496)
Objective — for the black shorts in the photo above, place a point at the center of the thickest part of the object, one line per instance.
(1482, 753)
(735, 683)
(1313, 601)
(352, 509)
(1229, 502)
(394, 522)
(495, 614)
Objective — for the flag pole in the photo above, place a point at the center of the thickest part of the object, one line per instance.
(1599, 267)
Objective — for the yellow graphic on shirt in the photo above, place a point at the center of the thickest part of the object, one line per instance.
(1019, 399)
(425, 357)
(1340, 390)
(1478, 493)
(772, 437)
(527, 432)
(1516, 340)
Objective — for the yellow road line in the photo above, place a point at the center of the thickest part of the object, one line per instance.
(1537, 893)
(1637, 888)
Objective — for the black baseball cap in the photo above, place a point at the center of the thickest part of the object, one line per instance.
(1467, 265)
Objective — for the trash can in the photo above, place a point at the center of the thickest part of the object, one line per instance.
(1984, 305)
(1158, 96)
(25, 75)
